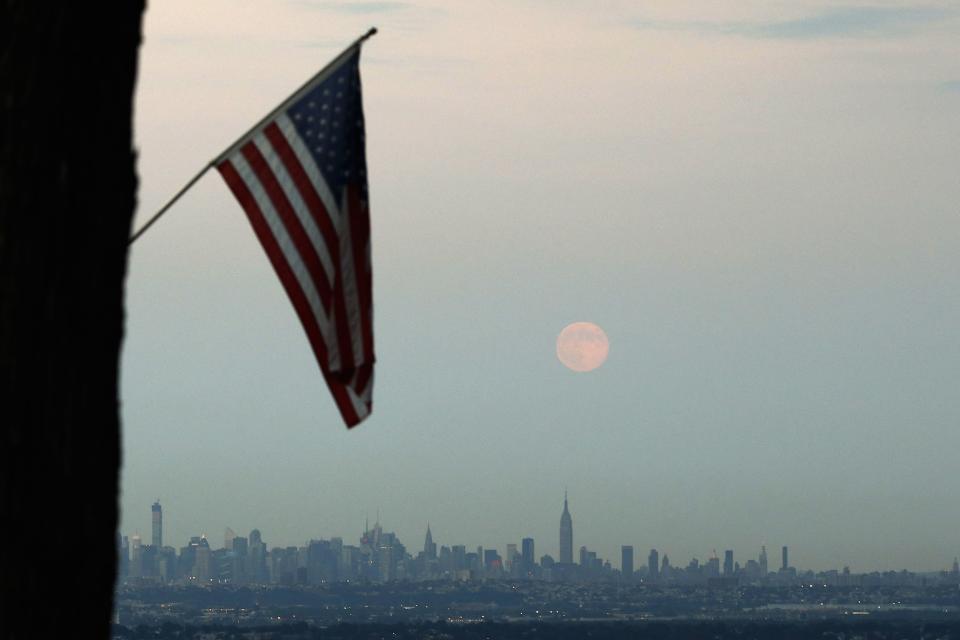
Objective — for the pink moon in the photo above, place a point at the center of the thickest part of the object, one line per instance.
(582, 346)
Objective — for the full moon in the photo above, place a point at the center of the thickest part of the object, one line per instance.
(582, 346)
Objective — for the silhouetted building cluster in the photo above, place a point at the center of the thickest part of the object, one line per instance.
(379, 556)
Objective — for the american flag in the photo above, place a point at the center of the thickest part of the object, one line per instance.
(301, 177)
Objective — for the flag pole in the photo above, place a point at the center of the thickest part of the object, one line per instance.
(163, 210)
(231, 148)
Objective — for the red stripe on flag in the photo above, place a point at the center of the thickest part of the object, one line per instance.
(342, 328)
(288, 216)
(360, 237)
(290, 284)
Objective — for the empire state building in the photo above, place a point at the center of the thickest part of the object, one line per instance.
(566, 534)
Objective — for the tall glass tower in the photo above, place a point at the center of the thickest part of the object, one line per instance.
(566, 534)
(626, 561)
(157, 525)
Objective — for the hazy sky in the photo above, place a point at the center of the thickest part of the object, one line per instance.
(757, 201)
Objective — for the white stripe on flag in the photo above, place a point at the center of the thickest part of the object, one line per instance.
(310, 167)
(367, 392)
(296, 201)
(291, 255)
(359, 406)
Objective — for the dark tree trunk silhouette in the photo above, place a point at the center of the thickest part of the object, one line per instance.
(67, 195)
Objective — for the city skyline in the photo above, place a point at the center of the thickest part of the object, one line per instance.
(656, 559)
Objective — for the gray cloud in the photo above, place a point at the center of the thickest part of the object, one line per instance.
(356, 7)
(841, 22)
(847, 22)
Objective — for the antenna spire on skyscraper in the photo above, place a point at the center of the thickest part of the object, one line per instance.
(566, 533)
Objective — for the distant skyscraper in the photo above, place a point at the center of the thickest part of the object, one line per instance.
(203, 564)
(526, 554)
(492, 561)
(239, 561)
(123, 551)
(653, 564)
(728, 563)
(157, 524)
(228, 536)
(786, 558)
(566, 534)
(459, 554)
(136, 556)
(956, 566)
(240, 546)
(256, 566)
(712, 568)
(429, 546)
(626, 562)
(763, 561)
(513, 557)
